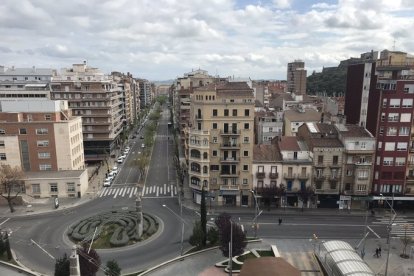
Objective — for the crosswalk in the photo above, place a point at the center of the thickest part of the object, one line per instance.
(401, 226)
(149, 191)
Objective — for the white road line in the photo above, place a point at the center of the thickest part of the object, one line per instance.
(130, 195)
(175, 190)
(4, 221)
(102, 192)
(135, 191)
(169, 188)
(150, 190)
(107, 192)
(172, 190)
(127, 190)
(157, 197)
(165, 188)
(122, 191)
(157, 191)
(50, 255)
(117, 190)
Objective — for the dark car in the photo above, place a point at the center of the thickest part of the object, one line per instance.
(142, 137)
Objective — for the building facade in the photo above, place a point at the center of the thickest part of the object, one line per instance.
(268, 125)
(296, 77)
(40, 136)
(221, 142)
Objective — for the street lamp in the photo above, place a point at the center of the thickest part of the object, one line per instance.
(256, 212)
(182, 225)
(389, 229)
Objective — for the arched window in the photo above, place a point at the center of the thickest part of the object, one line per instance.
(195, 167)
(205, 169)
(205, 155)
(195, 181)
(205, 183)
(195, 153)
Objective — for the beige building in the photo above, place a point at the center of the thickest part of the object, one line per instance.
(296, 117)
(96, 98)
(221, 142)
(60, 184)
(296, 77)
(327, 154)
(40, 136)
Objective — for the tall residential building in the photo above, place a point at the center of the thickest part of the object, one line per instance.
(145, 93)
(97, 98)
(126, 85)
(40, 136)
(296, 77)
(221, 142)
(25, 83)
(380, 96)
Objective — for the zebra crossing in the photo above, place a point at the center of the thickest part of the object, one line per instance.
(401, 225)
(149, 191)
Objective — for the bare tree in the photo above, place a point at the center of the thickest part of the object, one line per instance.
(11, 183)
(406, 240)
(142, 163)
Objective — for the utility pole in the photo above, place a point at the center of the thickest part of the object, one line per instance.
(231, 249)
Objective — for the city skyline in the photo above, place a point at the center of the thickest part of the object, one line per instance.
(160, 40)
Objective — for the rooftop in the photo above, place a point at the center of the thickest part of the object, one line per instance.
(268, 266)
(353, 131)
(266, 153)
(225, 89)
(308, 115)
(289, 143)
(27, 71)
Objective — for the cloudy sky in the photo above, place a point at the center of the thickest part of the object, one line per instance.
(162, 39)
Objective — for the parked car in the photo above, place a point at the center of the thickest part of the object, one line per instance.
(109, 178)
(142, 137)
(112, 173)
(107, 183)
(127, 148)
(120, 159)
(143, 146)
(123, 156)
(115, 169)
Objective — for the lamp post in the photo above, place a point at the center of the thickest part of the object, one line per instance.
(182, 224)
(257, 213)
(230, 266)
(389, 230)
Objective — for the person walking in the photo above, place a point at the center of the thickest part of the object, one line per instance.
(379, 251)
(376, 252)
(280, 221)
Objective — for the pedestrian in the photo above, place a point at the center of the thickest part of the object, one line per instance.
(280, 221)
(379, 250)
(376, 252)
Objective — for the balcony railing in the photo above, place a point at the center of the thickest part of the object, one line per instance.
(229, 174)
(199, 117)
(230, 160)
(230, 145)
(303, 176)
(230, 132)
(230, 187)
(260, 175)
(319, 177)
(273, 175)
(289, 176)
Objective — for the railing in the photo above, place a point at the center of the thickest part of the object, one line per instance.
(260, 175)
(230, 160)
(289, 175)
(230, 132)
(229, 174)
(303, 176)
(319, 177)
(273, 175)
(233, 187)
(230, 145)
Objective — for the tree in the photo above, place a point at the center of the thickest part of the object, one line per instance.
(89, 262)
(142, 163)
(305, 195)
(112, 268)
(224, 224)
(212, 235)
(10, 183)
(196, 239)
(62, 266)
(405, 240)
(203, 217)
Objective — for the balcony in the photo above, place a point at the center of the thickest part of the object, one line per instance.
(335, 166)
(333, 178)
(273, 175)
(230, 146)
(289, 176)
(230, 132)
(320, 165)
(319, 177)
(229, 187)
(260, 175)
(362, 177)
(363, 163)
(230, 160)
(229, 174)
(303, 176)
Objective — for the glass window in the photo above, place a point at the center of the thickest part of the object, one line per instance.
(3, 156)
(234, 112)
(226, 112)
(246, 112)
(22, 131)
(41, 131)
(45, 167)
(245, 167)
(71, 187)
(43, 155)
(53, 187)
(36, 188)
(48, 117)
(43, 143)
(214, 112)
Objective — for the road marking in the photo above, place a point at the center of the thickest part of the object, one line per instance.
(104, 190)
(132, 190)
(169, 189)
(157, 191)
(172, 190)
(127, 190)
(160, 197)
(123, 192)
(4, 221)
(165, 188)
(42, 249)
(151, 190)
(116, 193)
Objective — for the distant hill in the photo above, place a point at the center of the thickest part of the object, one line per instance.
(331, 80)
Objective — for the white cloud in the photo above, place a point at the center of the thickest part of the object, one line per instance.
(165, 38)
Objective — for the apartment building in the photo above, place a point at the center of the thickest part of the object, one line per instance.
(25, 83)
(296, 77)
(327, 156)
(126, 84)
(221, 142)
(96, 98)
(296, 172)
(380, 96)
(358, 160)
(145, 93)
(268, 125)
(40, 136)
(267, 175)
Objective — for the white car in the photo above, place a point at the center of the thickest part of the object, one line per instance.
(127, 149)
(120, 159)
(109, 178)
(107, 183)
(123, 156)
(112, 174)
(143, 146)
(115, 169)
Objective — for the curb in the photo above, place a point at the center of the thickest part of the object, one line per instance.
(21, 267)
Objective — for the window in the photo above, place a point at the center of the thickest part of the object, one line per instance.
(319, 172)
(384, 102)
(389, 146)
(43, 143)
(214, 153)
(214, 139)
(22, 131)
(363, 145)
(2, 131)
(36, 188)
(405, 118)
(53, 187)
(246, 153)
(246, 139)
(214, 167)
(48, 117)
(363, 174)
(361, 187)
(402, 146)
(43, 155)
(388, 161)
(404, 131)
(348, 172)
(391, 131)
(205, 155)
(381, 130)
(246, 126)
(273, 169)
(41, 131)
(70, 187)
(395, 103)
(3, 156)
(214, 125)
(393, 117)
(226, 112)
(400, 161)
(234, 112)
(45, 167)
(246, 112)
(260, 169)
(335, 160)
(214, 112)
(245, 181)
(205, 169)
(1, 143)
(320, 159)
(245, 167)
(406, 103)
